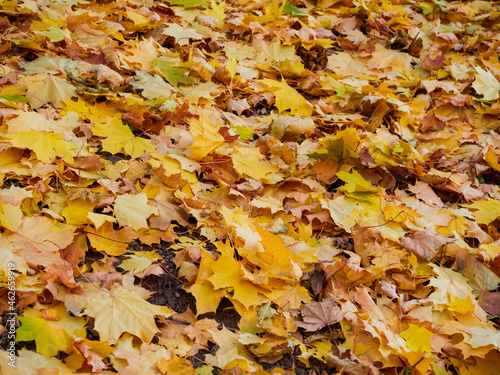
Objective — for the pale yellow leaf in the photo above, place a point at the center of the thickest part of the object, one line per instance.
(50, 89)
(486, 84)
(132, 210)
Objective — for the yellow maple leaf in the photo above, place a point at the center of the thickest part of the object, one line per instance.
(461, 305)
(10, 216)
(247, 162)
(218, 10)
(99, 219)
(201, 91)
(207, 137)
(277, 260)
(492, 159)
(231, 352)
(77, 211)
(207, 298)
(46, 88)
(121, 310)
(107, 239)
(288, 297)
(487, 211)
(176, 366)
(227, 275)
(287, 98)
(417, 338)
(9, 162)
(50, 338)
(47, 146)
(119, 138)
(132, 210)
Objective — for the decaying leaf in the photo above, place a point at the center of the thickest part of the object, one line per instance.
(316, 315)
(425, 243)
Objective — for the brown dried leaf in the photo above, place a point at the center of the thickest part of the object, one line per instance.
(424, 192)
(316, 315)
(425, 243)
(490, 302)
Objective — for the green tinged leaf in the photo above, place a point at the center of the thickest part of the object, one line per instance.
(340, 151)
(15, 98)
(244, 132)
(172, 73)
(188, 3)
(293, 10)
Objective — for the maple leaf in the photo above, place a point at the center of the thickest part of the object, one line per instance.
(77, 211)
(316, 315)
(124, 311)
(94, 360)
(490, 302)
(107, 239)
(207, 297)
(201, 91)
(153, 87)
(207, 137)
(425, 243)
(49, 89)
(129, 359)
(181, 34)
(227, 274)
(28, 121)
(292, 152)
(40, 235)
(287, 98)
(132, 210)
(486, 84)
(172, 73)
(417, 338)
(49, 338)
(231, 352)
(47, 146)
(177, 366)
(482, 336)
(10, 216)
(119, 138)
(292, 126)
(487, 210)
(247, 161)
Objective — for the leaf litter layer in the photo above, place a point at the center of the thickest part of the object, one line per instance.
(316, 182)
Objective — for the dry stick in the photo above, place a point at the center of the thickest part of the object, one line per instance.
(395, 313)
(167, 271)
(106, 238)
(24, 238)
(91, 283)
(379, 225)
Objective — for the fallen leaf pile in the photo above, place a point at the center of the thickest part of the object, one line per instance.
(326, 173)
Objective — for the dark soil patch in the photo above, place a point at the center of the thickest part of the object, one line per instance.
(168, 288)
(287, 363)
(344, 242)
(225, 315)
(198, 360)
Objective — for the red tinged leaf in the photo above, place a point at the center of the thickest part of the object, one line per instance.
(425, 243)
